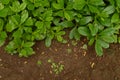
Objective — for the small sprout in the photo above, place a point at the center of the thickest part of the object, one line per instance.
(64, 41)
(74, 43)
(57, 67)
(39, 62)
(69, 50)
(49, 60)
(85, 46)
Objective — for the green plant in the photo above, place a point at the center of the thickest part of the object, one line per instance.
(57, 67)
(39, 62)
(23, 22)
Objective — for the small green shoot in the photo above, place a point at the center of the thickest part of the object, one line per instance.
(56, 67)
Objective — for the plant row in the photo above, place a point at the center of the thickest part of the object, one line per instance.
(23, 22)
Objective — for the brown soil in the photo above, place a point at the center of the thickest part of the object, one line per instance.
(79, 64)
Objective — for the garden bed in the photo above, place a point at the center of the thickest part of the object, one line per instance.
(79, 64)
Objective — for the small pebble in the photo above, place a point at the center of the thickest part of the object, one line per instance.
(25, 62)
(0, 59)
(22, 71)
(92, 65)
(0, 76)
(68, 45)
(1, 65)
(56, 50)
(43, 53)
(50, 72)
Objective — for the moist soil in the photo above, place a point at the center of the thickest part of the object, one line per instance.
(79, 63)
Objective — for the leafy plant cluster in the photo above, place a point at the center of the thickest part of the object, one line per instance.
(23, 22)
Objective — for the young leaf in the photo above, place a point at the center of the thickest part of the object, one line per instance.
(24, 16)
(1, 24)
(107, 32)
(4, 12)
(109, 9)
(3, 36)
(67, 16)
(10, 26)
(5, 1)
(118, 3)
(30, 6)
(85, 20)
(79, 4)
(93, 9)
(29, 22)
(107, 39)
(93, 29)
(103, 43)
(59, 4)
(74, 34)
(39, 24)
(84, 31)
(28, 44)
(91, 41)
(115, 18)
(15, 6)
(98, 48)
(25, 52)
(97, 2)
(23, 6)
(48, 41)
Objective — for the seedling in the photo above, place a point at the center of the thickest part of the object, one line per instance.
(56, 67)
(69, 50)
(39, 62)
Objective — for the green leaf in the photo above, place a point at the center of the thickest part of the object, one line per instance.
(67, 16)
(66, 24)
(115, 18)
(17, 34)
(23, 6)
(1, 24)
(107, 39)
(93, 29)
(3, 36)
(91, 41)
(30, 6)
(39, 24)
(84, 31)
(28, 44)
(93, 9)
(109, 9)
(74, 34)
(107, 32)
(5, 1)
(98, 48)
(48, 41)
(85, 20)
(118, 3)
(59, 4)
(29, 22)
(26, 52)
(79, 4)
(14, 19)
(103, 43)
(10, 26)
(97, 2)
(118, 39)
(59, 38)
(4, 12)
(11, 48)
(24, 16)
(1, 6)
(15, 6)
